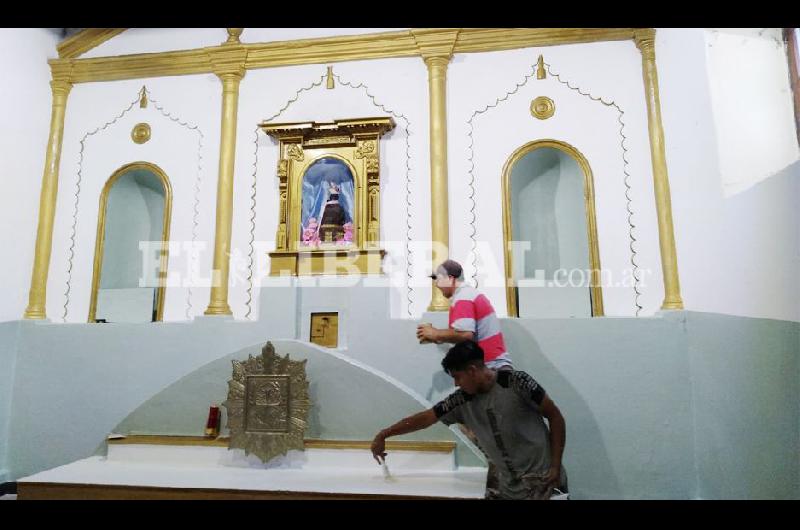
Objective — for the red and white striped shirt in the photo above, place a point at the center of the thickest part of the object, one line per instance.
(472, 311)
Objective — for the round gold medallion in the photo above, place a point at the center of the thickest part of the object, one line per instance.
(140, 133)
(543, 107)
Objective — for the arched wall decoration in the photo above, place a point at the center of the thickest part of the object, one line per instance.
(143, 95)
(626, 181)
(407, 133)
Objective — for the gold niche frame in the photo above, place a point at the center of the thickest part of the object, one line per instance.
(101, 236)
(354, 142)
(591, 221)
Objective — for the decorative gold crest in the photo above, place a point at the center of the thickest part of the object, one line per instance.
(267, 404)
(543, 107)
(140, 133)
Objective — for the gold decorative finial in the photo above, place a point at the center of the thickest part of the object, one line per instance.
(233, 35)
(330, 78)
(143, 98)
(540, 71)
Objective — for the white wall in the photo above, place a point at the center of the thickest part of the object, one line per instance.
(752, 105)
(23, 142)
(736, 255)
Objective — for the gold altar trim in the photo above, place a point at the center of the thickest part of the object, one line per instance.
(222, 441)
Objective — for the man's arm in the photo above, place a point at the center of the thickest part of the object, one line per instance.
(417, 422)
(432, 334)
(558, 437)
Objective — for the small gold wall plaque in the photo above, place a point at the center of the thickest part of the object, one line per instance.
(543, 107)
(140, 133)
(325, 329)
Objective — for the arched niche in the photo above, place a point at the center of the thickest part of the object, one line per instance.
(135, 209)
(548, 204)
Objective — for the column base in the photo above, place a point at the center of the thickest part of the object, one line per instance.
(672, 305)
(34, 314)
(219, 309)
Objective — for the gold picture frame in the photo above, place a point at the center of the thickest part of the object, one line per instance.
(353, 144)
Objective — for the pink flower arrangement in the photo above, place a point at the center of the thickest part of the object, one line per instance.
(348, 234)
(310, 235)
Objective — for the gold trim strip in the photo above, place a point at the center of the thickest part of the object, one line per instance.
(222, 441)
(85, 40)
(328, 50)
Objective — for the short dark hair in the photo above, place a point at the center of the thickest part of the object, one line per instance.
(461, 356)
(450, 268)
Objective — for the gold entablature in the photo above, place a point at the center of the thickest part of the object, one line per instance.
(329, 49)
(356, 143)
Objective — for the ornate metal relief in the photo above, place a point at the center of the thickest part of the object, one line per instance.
(267, 404)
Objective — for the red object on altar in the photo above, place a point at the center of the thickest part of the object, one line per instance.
(212, 425)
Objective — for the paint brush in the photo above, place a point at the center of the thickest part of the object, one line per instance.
(385, 469)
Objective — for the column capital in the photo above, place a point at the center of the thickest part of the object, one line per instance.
(435, 46)
(61, 71)
(645, 39)
(228, 62)
(60, 87)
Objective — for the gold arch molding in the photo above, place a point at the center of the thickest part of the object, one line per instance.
(591, 221)
(101, 232)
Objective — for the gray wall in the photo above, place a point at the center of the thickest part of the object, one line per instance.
(8, 358)
(746, 382)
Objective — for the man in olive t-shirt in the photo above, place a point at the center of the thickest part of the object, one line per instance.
(505, 410)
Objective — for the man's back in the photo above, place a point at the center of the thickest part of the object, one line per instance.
(471, 310)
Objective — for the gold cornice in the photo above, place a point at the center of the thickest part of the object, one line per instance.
(85, 40)
(332, 49)
(61, 70)
(486, 40)
(228, 61)
(435, 43)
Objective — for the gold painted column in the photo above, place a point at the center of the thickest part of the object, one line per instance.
(645, 41)
(436, 48)
(60, 86)
(229, 66)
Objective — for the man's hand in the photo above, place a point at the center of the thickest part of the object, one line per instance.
(379, 447)
(427, 333)
(553, 478)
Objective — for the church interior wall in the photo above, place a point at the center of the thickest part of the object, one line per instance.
(672, 374)
(22, 143)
